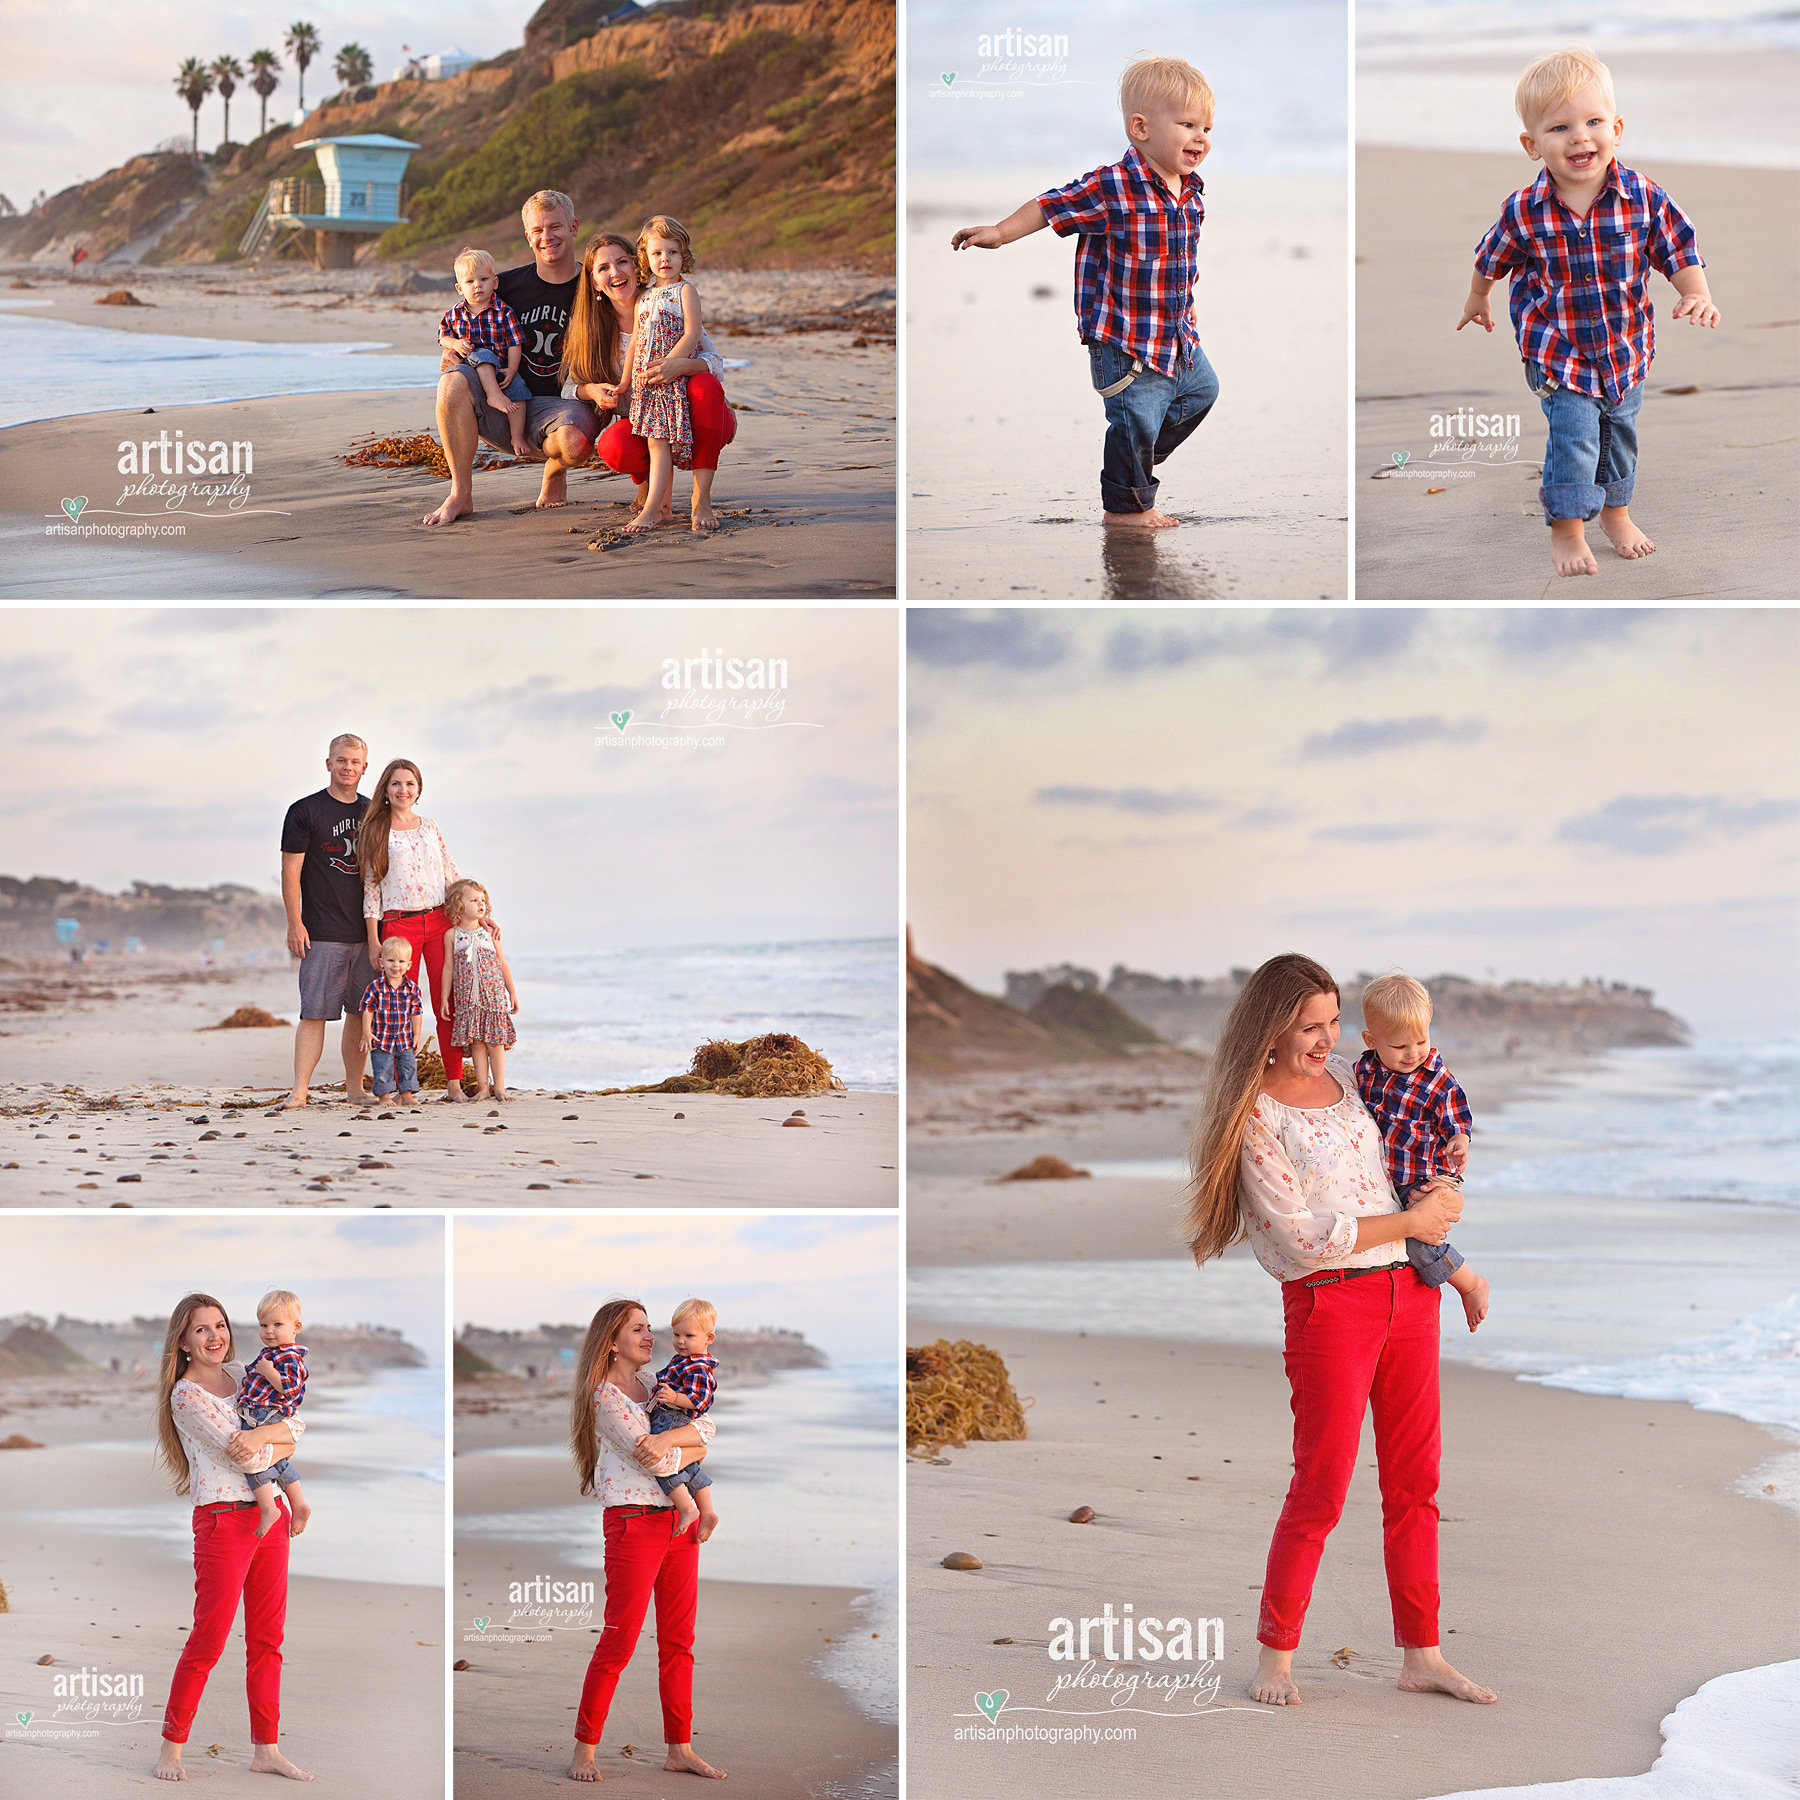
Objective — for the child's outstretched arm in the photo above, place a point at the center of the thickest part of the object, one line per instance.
(1475, 309)
(1029, 218)
(668, 1396)
(1696, 301)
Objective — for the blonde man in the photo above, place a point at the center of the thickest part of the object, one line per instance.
(686, 1387)
(560, 433)
(1138, 225)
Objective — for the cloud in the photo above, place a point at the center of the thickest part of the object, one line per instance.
(540, 701)
(210, 621)
(38, 684)
(1554, 630)
(1657, 824)
(1016, 639)
(1359, 737)
(1374, 833)
(1349, 637)
(1151, 801)
(1130, 650)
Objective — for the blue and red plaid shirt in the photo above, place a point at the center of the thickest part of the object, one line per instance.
(1136, 260)
(691, 1376)
(1580, 287)
(390, 1012)
(1418, 1114)
(496, 329)
(290, 1364)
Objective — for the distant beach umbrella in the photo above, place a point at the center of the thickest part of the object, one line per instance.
(354, 65)
(227, 71)
(302, 44)
(193, 84)
(263, 64)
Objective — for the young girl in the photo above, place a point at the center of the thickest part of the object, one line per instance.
(667, 324)
(478, 987)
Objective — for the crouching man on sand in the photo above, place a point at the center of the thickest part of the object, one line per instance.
(560, 432)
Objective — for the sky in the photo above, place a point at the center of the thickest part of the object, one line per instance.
(1516, 793)
(90, 86)
(349, 1271)
(834, 1279)
(166, 745)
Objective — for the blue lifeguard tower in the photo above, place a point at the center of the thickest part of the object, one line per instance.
(363, 191)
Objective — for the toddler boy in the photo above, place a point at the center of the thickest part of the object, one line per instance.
(393, 1025)
(685, 1388)
(1424, 1118)
(488, 330)
(1579, 244)
(1138, 222)
(274, 1384)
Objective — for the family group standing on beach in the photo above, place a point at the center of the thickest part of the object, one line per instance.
(373, 898)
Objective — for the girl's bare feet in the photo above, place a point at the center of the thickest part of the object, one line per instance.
(168, 1765)
(681, 1760)
(268, 1760)
(502, 1095)
(1424, 1671)
(1274, 1683)
(1148, 520)
(1624, 536)
(1569, 549)
(582, 1768)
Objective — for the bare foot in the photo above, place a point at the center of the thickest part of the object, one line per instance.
(412, 1102)
(454, 1092)
(582, 1768)
(268, 1760)
(1569, 550)
(555, 491)
(302, 1512)
(1148, 520)
(681, 1760)
(702, 517)
(296, 1098)
(1624, 536)
(638, 522)
(454, 508)
(1274, 1683)
(709, 1523)
(168, 1765)
(1474, 1299)
(502, 1095)
(268, 1510)
(686, 1512)
(515, 417)
(481, 1093)
(1424, 1671)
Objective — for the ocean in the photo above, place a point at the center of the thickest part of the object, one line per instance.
(620, 1018)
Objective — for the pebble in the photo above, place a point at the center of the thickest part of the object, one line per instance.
(205, 1136)
(961, 1559)
(130, 1178)
(1082, 1515)
(681, 1115)
(532, 1186)
(804, 1124)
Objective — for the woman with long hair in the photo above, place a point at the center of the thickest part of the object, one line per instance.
(1286, 1155)
(406, 871)
(597, 354)
(616, 1454)
(200, 1445)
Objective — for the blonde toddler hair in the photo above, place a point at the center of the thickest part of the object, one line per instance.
(1396, 1000)
(663, 226)
(1553, 78)
(696, 1309)
(278, 1300)
(400, 943)
(468, 261)
(1153, 81)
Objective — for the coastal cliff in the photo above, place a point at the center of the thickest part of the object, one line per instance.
(166, 920)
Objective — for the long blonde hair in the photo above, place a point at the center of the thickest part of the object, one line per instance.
(169, 1447)
(1268, 1006)
(590, 1371)
(372, 833)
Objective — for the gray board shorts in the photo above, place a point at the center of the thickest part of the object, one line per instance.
(332, 979)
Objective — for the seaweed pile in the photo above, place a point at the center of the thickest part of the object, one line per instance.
(776, 1065)
(955, 1392)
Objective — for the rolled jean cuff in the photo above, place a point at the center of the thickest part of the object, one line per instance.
(1118, 499)
(1576, 500)
(1434, 1264)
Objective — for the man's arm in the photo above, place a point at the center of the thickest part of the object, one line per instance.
(1029, 218)
(298, 940)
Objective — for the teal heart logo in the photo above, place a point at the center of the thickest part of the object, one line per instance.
(992, 1703)
(1400, 457)
(24, 1718)
(621, 719)
(73, 508)
(947, 80)
(481, 1624)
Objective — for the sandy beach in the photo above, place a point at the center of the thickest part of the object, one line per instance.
(1718, 458)
(118, 1604)
(97, 1092)
(763, 1708)
(814, 451)
(1005, 431)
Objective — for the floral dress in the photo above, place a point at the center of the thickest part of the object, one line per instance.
(660, 411)
(623, 1423)
(480, 1008)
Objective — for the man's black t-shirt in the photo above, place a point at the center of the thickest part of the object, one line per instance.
(543, 309)
(331, 889)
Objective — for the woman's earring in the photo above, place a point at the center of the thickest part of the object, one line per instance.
(1271, 1059)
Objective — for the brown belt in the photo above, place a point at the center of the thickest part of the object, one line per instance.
(627, 1512)
(1351, 1274)
(225, 1506)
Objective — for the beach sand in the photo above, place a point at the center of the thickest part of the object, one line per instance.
(94, 1091)
(1718, 465)
(1596, 1568)
(806, 491)
(1004, 430)
(362, 1680)
(763, 1709)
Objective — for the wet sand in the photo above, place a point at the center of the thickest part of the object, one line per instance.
(1004, 430)
(1718, 465)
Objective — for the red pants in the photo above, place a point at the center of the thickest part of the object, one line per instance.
(231, 1560)
(425, 932)
(714, 426)
(1350, 1345)
(643, 1556)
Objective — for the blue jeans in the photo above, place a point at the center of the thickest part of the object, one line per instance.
(693, 1477)
(389, 1069)
(1591, 458)
(1435, 1263)
(514, 389)
(1147, 420)
(249, 1417)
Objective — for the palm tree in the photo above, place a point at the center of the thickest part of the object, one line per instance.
(302, 44)
(227, 71)
(354, 65)
(193, 84)
(263, 64)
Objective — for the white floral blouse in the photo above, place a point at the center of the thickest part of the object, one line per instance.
(419, 872)
(1306, 1175)
(623, 1424)
(206, 1422)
